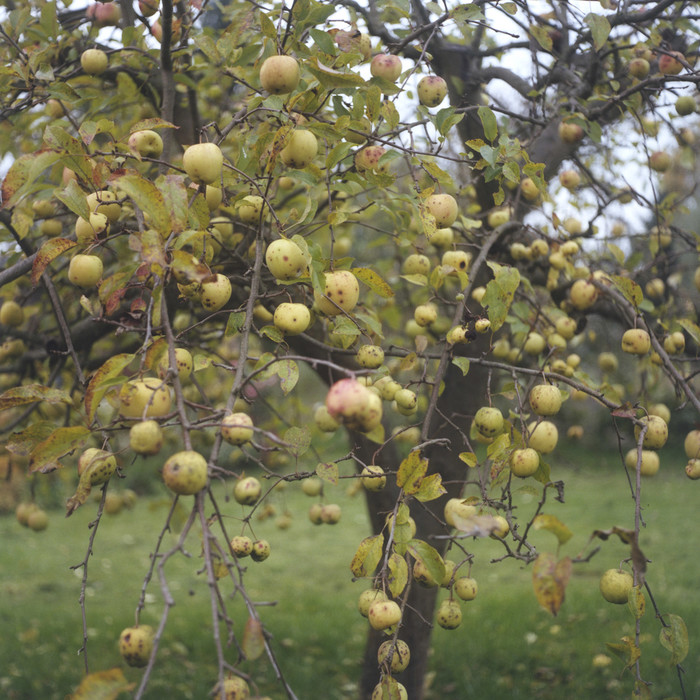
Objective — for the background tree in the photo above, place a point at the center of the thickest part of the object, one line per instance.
(383, 193)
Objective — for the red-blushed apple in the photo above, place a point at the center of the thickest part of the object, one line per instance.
(615, 585)
(670, 63)
(247, 491)
(341, 294)
(432, 90)
(300, 150)
(285, 259)
(185, 473)
(136, 645)
(237, 428)
(94, 61)
(368, 159)
(146, 143)
(279, 74)
(443, 207)
(386, 66)
(203, 162)
(353, 404)
(85, 271)
(570, 179)
(292, 318)
(104, 14)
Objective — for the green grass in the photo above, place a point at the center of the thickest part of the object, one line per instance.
(507, 646)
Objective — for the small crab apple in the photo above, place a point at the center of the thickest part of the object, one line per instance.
(660, 161)
(368, 597)
(498, 217)
(406, 400)
(237, 428)
(233, 688)
(656, 434)
(146, 143)
(331, 513)
(692, 469)
(146, 437)
(691, 444)
(185, 472)
(465, 588)
(37, 520)
(386, 66)
(279, 75)
(100, 464)
(285, 259)
(639, 67)
(443, 207)
(324, 421)
(570, 179)
(300, 150)
(214, 294)
(400, 654)
(106, 203)
(136, 645)
(636, 341)
(524, 462)
(368, 159)
(569, 132)
(489, 421)
(250, 208)
(11, 314)
(674, 343)
(392, 686)
(425, 314)
(247, 491)
(432, 90)
(456, 507)
(441, 237)
(183, 363)
(383, 614)
(373, 478)
(583, 294)
(422, 575)
(203, 162)
(104, 14)
(370, 356)
(458, 260)
(312, 486)
(85, 271)
(542, 436)
(449, 614)
(315, 514)
(670, 63)
(94, 61)
(615, 586)
(529, 189)
(261, 550)
(292, 318)
(341, 294)
(241, 545)
(545, 399)
(147, 398)
(416, 264)
(649, 465)
(87, 230)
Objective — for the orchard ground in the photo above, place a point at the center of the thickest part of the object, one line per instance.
(507, 647)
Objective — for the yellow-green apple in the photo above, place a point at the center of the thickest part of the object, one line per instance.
(215, 293)
(11, 314)
(498, 217)
(330, 513)
(685, 105)
(534, 343)
(636, 341)
(400, 654)
(397, 690)
(660, 161)
(368, 597)
(144, 398)
(649, 465)
(570, 179)
(542, 436)
(583, 294)
(383, 614)
(425, 314)
(324, 421)
(545, 399)
(237, 428)
(615, 585)
(466, 588)
(441, 237)
(148, 7)
(247, 491)
(416, 264)
(94, 61)
(146, 143)
(341, 294)
(87, 230)
(185, 473)
(136, 645)
(443, 207)
(285, 259)
(146, 437)
(370, 356)
(432, 90)
(524, 462)
(300, 150)
(85, 270)
(104, 202)
(373, 477)
(241, 545)
(489, 421)
(570, 132)
(639, 67)
(37, 520)
(656, 432)
(691, 444)
(250, 208)
(674, 343)
(529, 189)
(261, 550)
(449, 614)
(292, 318)
(279, 74)
(692, 469)
(203, 162)
(458, 260)
(183, 363)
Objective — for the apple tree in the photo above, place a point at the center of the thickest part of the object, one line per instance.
(419, 211)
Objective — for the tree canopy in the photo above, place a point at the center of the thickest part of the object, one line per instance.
(231, 229)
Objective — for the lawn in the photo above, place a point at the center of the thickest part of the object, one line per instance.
(507, 647)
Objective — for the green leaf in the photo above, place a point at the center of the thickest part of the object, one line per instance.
(469, 458)
(674, 637)
(549, 579)
(488, 121)
(692, 329)
(411, 472)
(462, 363)
(23, 173)
(24, 441)
(324, 41)
(103, 685)
(367, 556)
(552, 524)
(288, 372)
(499, 293)
(74, 198)
(45, 455)
(629, 289)
(627, 650)
(148, 198)
(29, 393)
(175, 200)
(542, 36)
(398, 574)
(235, 322)
(430, 488)
(373, 281)
(101, 382)
(48, 252)
(328, 471)
(298, 440)
(600, 29)
(429, 557)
